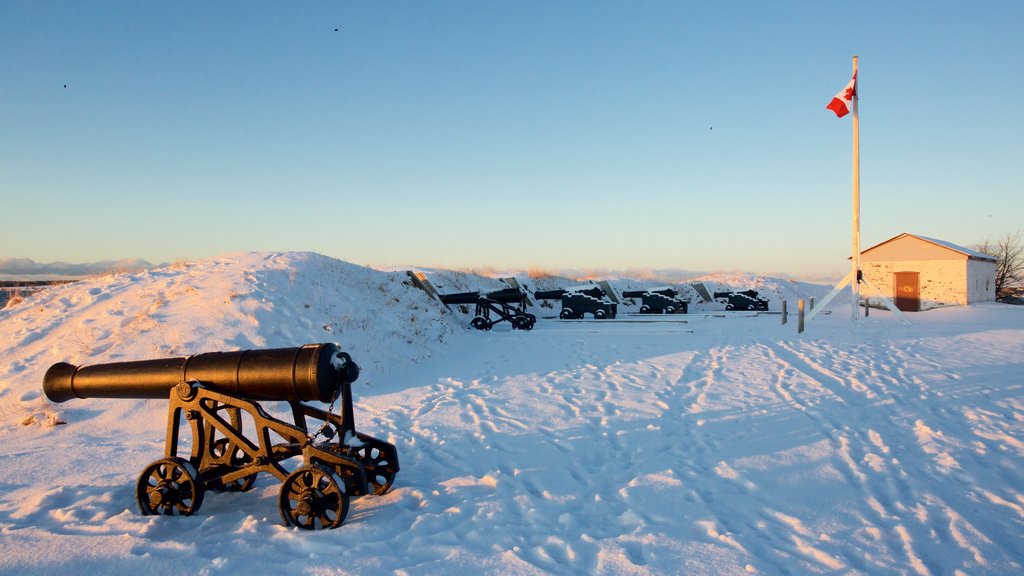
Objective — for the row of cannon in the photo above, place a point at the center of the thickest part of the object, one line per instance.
(509, 304)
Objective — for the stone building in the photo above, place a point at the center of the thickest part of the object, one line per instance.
(919, 273)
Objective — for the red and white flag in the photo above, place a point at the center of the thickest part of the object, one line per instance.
(843, 102)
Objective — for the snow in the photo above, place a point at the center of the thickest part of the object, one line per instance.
(710, 443)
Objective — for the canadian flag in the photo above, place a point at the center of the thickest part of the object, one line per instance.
(843, 102)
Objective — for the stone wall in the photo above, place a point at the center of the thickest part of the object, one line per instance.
(981, 285)
(942, 282)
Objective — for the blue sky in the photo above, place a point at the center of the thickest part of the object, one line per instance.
(506, 134)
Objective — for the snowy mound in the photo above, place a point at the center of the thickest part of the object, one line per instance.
(773, 289)
(230, 302)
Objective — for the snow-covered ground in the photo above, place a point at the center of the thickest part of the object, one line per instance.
(711, 443)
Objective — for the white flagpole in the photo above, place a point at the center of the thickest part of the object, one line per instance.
(855, 283)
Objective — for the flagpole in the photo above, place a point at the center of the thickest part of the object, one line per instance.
(855, 283)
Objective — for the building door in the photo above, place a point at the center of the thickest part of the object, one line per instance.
(908, 291)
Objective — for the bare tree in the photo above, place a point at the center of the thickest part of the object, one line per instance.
(1008, 251)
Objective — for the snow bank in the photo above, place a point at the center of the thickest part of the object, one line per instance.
(231, 302)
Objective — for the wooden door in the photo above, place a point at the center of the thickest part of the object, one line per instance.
(908, 291)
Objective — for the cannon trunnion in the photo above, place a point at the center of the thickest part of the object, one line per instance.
(217, 395)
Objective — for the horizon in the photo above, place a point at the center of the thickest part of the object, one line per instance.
(573, 136)
(26, 269)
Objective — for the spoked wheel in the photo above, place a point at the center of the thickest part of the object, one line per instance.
(312, 498)
(380, 474)
(481, 323)
(224, 451)
(522, 323)
(170, 487)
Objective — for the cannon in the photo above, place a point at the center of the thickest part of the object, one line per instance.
(579, 301)
(659, 301)
(509, 305)
(217, 394)
(745, 300)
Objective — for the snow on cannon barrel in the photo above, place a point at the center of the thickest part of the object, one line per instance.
(659, 301)
(211, 393)
(579, 301)
(508, 304)
(745, 300)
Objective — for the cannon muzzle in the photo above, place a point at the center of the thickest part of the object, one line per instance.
(310, 372)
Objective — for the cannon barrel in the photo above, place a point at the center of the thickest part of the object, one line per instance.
(460, 298)
(310, 372)
(548, 294)
(506, 295)
(748, 293)
(633, 293)
(594, 291)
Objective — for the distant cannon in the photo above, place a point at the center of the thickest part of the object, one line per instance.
(508, 304)
(745, 300)
(212, 392)
(580, 301)
(659, 301)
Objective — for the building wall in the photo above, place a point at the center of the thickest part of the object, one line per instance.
(942, 282)
(981, 281)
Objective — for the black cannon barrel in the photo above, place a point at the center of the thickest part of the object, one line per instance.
(633, 293)
(310, 372)
(594, 291)
(548, 294)
(506, 295)
(460, 298)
